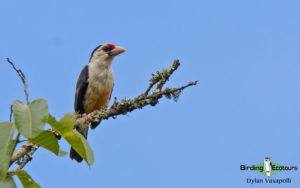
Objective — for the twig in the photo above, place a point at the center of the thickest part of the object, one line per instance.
(16, 141)
(11, 112)
(166, 74)
(162, 76)
(22, 76)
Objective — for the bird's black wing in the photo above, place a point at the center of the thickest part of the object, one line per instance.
(81, 87)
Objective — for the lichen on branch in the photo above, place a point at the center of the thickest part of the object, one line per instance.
(127, 105)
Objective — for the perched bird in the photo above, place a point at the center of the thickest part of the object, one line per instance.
(94, 86)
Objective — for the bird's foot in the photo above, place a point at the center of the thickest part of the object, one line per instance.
(86, 116)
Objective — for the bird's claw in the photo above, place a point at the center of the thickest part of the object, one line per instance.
(86, 116)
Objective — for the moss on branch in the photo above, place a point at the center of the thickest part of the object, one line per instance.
(127, 105)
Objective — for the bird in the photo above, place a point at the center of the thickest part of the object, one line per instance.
(94, 86)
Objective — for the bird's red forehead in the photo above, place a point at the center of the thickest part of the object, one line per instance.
(111, 45)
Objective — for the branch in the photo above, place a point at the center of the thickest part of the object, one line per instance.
(128, 105)
(20, 152)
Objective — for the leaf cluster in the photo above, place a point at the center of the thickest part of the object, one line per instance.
(29, 122)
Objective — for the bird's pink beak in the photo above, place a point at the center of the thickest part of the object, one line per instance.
(117, 50)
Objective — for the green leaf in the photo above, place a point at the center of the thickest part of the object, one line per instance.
(89, 154)
(26, 180)
(30, 119)
(47, 140)
(8, 183)
(6, 142)
(65, 128)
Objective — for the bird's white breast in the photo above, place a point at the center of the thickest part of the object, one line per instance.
(101, 76)
(100, 84)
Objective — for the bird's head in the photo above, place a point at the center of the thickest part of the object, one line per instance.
(106, 52)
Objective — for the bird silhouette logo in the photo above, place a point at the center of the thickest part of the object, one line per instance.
(267, 166)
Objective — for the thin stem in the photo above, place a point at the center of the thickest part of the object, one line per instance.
(23, 78)
(11, 112)
(16, 141)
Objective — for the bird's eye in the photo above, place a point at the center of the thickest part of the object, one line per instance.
(106, 48)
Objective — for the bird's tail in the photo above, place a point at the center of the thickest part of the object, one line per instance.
(83, 130)
(95, 124)
(75, 155)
